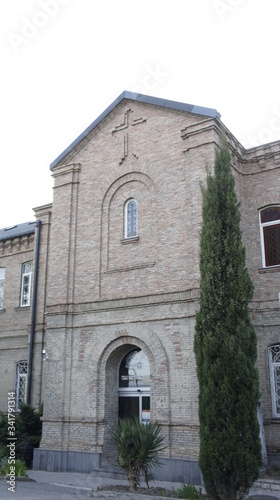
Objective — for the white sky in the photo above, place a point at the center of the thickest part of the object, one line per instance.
(64, 61)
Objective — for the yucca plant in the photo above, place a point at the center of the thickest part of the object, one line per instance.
(139, 446)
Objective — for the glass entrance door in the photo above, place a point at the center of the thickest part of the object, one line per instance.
(129, 407)
(134, 390)
(133, 405)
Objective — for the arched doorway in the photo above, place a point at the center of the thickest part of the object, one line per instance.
(134, 386)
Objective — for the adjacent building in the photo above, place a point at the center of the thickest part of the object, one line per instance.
(98, 296)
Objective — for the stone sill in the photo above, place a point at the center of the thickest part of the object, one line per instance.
(272, 269)
(25, 308)
(130, 268)
(126, 241)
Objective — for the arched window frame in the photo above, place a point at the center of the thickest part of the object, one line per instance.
(274, 368)
(263, 226)
(130, 232)
(125, 385)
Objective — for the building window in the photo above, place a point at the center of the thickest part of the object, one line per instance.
(130, 219)
(270, 236)
(26, 284)
(21, 383)
(2, 282)
(274, 365)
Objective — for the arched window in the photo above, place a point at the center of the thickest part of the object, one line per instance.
(274, 366)
(26, 275)
(130, 219)
(134, 370)
(270, 236)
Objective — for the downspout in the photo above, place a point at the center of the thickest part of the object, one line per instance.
(33, 314)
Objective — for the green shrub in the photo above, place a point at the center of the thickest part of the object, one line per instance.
(3, 429)
(189, 491)
(20, 467)
(29, 425)
(3, 451)
(28, 428)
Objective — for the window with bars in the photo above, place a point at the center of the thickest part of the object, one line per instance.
(21, 383)
(26, 284)
(130, 219)
(270, 236)
(274, 365)
(2, 282)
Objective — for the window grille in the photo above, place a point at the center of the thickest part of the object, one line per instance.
(274, 364)
(21, 383)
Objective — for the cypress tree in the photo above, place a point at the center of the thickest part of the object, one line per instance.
(225, 344)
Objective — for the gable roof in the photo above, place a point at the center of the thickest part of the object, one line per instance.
(17, 230)
(132, 96)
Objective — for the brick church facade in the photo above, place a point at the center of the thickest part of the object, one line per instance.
(98, 296)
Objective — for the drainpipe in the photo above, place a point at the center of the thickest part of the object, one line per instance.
(33, 314)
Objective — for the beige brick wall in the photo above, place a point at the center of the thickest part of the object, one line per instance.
(91, 266)
(96, 345)
(155, 171)
(261, 188)
(14, 320)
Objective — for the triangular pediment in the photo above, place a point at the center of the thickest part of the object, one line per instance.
(145, 99)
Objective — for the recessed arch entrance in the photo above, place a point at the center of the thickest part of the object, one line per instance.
(110, 391)
(108, 387)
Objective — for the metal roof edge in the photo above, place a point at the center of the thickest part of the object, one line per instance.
(158, 101)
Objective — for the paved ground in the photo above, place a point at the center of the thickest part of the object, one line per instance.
(71, 486)
(35, 491)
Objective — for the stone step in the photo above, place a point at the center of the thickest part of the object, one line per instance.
(267, 484)
(109, 472)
